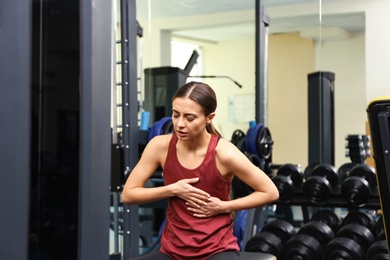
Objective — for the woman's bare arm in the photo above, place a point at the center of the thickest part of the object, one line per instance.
(232, 162)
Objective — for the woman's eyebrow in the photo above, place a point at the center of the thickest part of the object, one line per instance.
(186, 114)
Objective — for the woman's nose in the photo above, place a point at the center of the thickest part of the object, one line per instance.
(180, 122)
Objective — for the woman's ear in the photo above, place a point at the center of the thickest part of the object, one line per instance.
(210, 117)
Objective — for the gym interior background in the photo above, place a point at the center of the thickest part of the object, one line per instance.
(57, 89)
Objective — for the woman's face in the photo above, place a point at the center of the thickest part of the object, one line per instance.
(188, 118)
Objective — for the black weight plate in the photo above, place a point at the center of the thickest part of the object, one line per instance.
(378, 251)
(342, 248)
(265, 242)
(254, 159)
(344, 170)
(365, 171)
(356, 191)
(361, 235)
(328, 171)
(285, 187)
(264, 143)
(241, 145)
(293, 171)
(328, 217)
(362, 218)
(319, 230)
(237, 136)
(281, 228)
(317, 189)
(302, 247)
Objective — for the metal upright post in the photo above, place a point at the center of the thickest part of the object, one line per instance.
(262, 24)
(130, 129)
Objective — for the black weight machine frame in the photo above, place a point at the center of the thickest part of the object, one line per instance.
(378, 112)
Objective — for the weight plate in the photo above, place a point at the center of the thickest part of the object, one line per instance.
(378, 251)
(158, 127)
(362, 218)
(328, 171)
(285, 187)
(365, 171)
(281, 228)
(360, 234)
(237, 136)
(328, 217)
(302, 247)
(342, 248)
(264, 143)
(265, 242)
(319, 230)
(317, 189)
(250, 139)
(356, 191)
(293, 171)
(344, 170)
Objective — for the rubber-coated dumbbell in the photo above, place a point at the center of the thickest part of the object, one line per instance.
(378, 251)
(308, 243)
(328, 217)
(351, 242)
(358, 186)
(319, 185)
(362, 218)
(271, 238)
(344, 170)
(287, 177)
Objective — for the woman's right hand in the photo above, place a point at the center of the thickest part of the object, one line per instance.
(193, 196)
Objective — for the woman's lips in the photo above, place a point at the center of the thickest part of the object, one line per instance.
(181, 134)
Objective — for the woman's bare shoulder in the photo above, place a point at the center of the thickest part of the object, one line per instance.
(226, 150)
(160, 141)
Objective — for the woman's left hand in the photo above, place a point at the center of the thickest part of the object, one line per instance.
(214, 207)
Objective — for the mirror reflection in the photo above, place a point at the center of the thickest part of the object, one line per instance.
(304, 37)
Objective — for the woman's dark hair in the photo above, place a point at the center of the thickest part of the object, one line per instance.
(202, 94)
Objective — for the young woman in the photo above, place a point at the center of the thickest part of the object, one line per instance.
(198, 167)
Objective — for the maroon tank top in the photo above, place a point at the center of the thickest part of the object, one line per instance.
(186, 236)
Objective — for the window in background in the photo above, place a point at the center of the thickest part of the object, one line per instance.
(180, 55)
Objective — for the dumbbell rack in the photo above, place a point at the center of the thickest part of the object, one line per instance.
(336, 200)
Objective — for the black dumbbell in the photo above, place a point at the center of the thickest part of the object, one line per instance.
(351, 242)
(319, 185)
(328, 217)
(378, 251)
(362, 218)
(288, 177)
(271, 238)
(344, 170)
(309, 242)
(358, 186)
